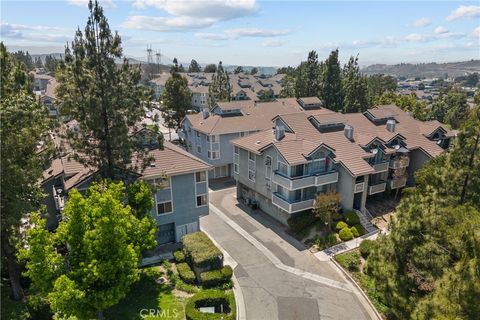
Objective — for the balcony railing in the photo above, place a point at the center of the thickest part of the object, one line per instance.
(398, 183)
(399, 163)
(380, 167)
(181, 134)
(291, 206)
(377, 188)
(58, 198)
(359, 187)
(294, 183)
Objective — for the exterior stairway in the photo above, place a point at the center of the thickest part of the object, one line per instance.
(365, 219)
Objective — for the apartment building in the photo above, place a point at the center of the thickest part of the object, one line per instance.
(181, 200)
(358, 155)
(208, 135)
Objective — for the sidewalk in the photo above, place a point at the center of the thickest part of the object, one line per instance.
(328, 253)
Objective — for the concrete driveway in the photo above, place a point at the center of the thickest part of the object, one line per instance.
(278, 277)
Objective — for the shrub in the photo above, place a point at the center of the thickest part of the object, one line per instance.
(301, 221)
(361, 230)
(345, 234)
(216, 278)
(211, 298)
(179, 256)
(366, 247)
(351, 218)
(200, 251)
(349, 260)
(185, 273)
(340, 225)
(325, 242)
(355, 232)
(337, 216)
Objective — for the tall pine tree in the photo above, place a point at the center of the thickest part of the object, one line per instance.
(331, 87)
(308, 77)
(105, 99)
(354, 87)
(220, 89)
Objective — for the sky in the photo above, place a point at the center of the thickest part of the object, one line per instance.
(258, 33)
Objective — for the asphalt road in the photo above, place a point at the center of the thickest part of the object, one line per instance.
(278, 290)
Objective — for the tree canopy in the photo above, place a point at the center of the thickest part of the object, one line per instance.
(210, 68)
(355, 88)
(194, 66)
(220, 89)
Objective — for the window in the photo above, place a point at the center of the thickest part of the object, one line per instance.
(251, 166)
(200, 176)
(236, 158)
(213, 155)
(235, 150)
(201, 200)
(268, 167)
(199, 149)
(163, 208)
(197, 134)
(212, 138)
(282, 168)
(251, 156)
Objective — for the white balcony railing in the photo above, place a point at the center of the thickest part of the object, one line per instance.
(359, 187)
(292, 207)
(398, 183)
(377, 188)
(380, 167)
(305, 181)
(399, 163)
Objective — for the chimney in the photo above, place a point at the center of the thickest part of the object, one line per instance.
(391, 125)
(205, 114)
(348, 130)
(279, 132)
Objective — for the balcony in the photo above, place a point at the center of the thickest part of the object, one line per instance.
(359, 187)
(291, 206)
(377, 188)
(380, 167)
(305, 181)
(181, 134)
(399, 163)
(398, 183)
(58, 198)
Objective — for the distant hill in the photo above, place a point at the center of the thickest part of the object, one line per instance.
(428, 70)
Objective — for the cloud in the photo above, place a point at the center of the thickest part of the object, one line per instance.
(422, 22)
(212, 36)
(467, 12)
(189, 14)
(476, 32)
(445, 34)
(273, 43)
(84, 3)
(35, 33)
(230, 34)
(440, 30)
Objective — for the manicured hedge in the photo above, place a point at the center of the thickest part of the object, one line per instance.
(200, 251)
(366, 247)
(185, 273)
(361, 230)
(301, 220)
(351, 218)
(340, 225)
(216, 277)
(179, 256)
(355, 232)
(345, 234)
(211, 298)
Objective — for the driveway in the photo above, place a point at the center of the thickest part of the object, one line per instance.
(279, 278)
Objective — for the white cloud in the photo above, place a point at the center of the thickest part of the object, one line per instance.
(273, 43)
(415, 37)
(189, 14)
(84, 3)
(35, 33)
(440, 30)
(230, 34)
(422, 22)
(476, 32)
(469, 12)
(212, 36)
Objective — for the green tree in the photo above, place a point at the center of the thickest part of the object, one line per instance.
(238, 70)
(457, 108)
(25, 152)
(417, 108)
(25, 59)
(51, 64)
(286, 70)
(89, 263)
(308, 77)
(104, 98)
(194, 66)
(326, 205)
(288, 87)
(177, 97)
(265, 95)
(354, 87)
(181, 68)
(220, 89)
(38, 62)
(210, 68)
(331, 85)
(254, 71)
(378, 84)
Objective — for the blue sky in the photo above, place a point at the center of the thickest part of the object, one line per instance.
(250, 32)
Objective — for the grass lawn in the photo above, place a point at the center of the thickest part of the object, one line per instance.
(148, 297)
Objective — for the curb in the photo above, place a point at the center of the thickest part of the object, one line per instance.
(352, 280)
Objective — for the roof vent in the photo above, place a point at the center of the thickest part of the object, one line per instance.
(279, 132)
(152, 164)
(348, 130)
(391, 125)
(205, 114)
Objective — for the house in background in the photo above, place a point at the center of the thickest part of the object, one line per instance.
(282, 170)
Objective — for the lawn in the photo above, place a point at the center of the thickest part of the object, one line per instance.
(149, 300)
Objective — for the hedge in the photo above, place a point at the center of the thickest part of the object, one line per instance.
(366, 247)
(211, 298)
(200, 251)
(179, 256)
(351, 218)
(302, 220)
(185, 273)
(326, 242)
(340, 225)
(216, 277)
(349, 260)
(355, 232)
(361, 230)
(345, 234)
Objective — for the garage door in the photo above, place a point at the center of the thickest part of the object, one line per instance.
(166, 233)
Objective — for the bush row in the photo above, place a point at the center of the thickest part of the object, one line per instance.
(216, 278)
(211, 298)
(300, 221)
(349, 260)
(200, 251)
(185, 273)
(179, 256)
